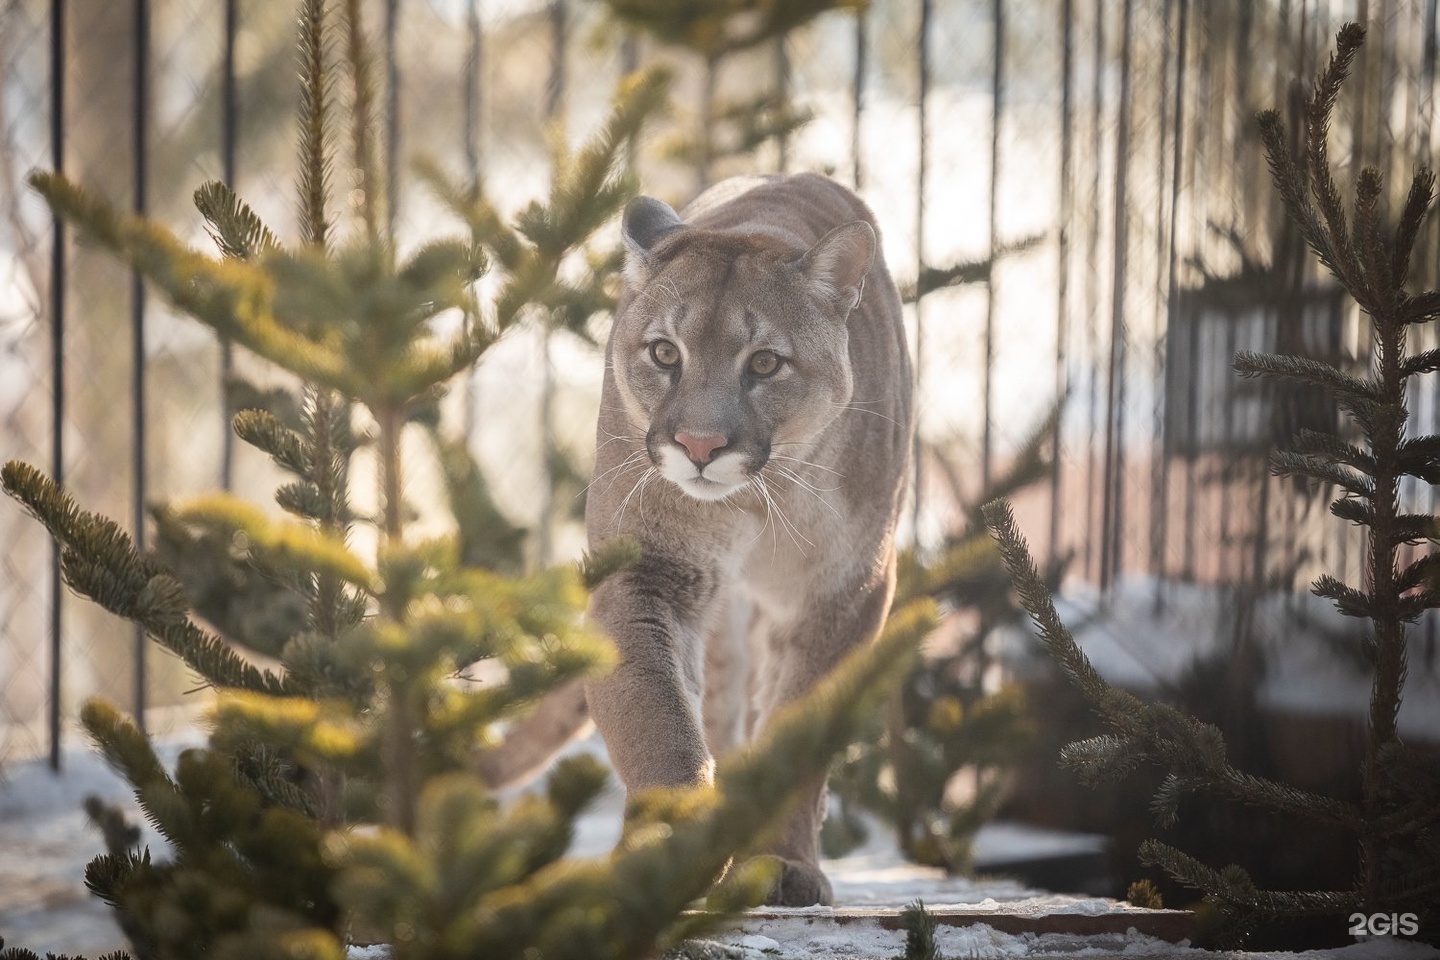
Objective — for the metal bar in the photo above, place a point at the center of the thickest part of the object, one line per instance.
(555, 87)
(137, 321)
(392, 114)
(1112, 523)
(1062, 274)
(474, 91)
(57, 363)
(554, 112)
(920, 181)
(1092, 282)
(1159, 477)
(997, 106)
(858, 93)
(229, 113)
(1172, 284)
(474, 63)
(782, 90)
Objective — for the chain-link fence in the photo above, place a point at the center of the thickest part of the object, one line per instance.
(1095, 165)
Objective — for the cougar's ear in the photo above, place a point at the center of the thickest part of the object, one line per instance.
(645, 221)
(836, 266)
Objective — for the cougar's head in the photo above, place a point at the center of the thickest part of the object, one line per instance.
(729, 345)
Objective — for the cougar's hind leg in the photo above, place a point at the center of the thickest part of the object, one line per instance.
(535, 738)
(803, 652)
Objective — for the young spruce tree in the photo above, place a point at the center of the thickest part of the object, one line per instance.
(337, 797)
(1397, 819)
(943, 722)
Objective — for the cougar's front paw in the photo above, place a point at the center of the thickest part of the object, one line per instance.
(799, 885)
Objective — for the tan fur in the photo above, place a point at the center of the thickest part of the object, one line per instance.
(736, 582)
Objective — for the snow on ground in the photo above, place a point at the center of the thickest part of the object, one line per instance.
(45, 842)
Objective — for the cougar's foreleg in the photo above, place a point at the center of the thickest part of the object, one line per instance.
(649, 708)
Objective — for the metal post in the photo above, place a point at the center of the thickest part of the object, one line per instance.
(229, 112)
(920, 178)
(1161, 521)
(554, 112)
(1113, 517)
(137, 319)
(997, 103)
(858, 95)
(1062, 274)
(1092, 281)
(392, 114)
(57, 361)
(782, 90)
(474, 89)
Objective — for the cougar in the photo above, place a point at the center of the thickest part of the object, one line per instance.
(754, 437)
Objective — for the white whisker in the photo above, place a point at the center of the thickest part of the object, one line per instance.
(790, 528)
(802, 484)
(807, 463)
(639, 485)
(633, 459)
(873, 413)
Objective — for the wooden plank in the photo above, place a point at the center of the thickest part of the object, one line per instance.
(1016, 917)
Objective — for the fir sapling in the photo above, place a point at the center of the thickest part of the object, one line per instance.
(337, 796)
(1394, 821)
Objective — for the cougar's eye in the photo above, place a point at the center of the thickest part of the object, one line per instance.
(763, 363)
(665, 354)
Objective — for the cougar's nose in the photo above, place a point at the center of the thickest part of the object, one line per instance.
(699, 448)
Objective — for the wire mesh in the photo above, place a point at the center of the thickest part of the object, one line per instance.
(1100, 157)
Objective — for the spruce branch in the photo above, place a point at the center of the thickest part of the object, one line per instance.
(1292, 179)
(362, 121)
(1327, 446)
(1420, 363)
(280, 544)
(1116, 706)
(316, 83)
(1191, 749)
(1288, 463)
(1321, 179)
(1412, 218)
(1348, 600)
(101, 562)
(237, 230)
(1233, 888)
(232, 297)
(1307, 371)
(261, 429)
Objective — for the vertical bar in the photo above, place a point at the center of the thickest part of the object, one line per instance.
(1092, 281)
(555, 87)
(229, 113)
(858, 94)
(920, 178)
(1112, 522)
(474, 90)
(1159, 475)
(57, 361)
(474, 63)
(1172, 287)
(1062, 275)
(137, 319)
(392, 114)
(782, 90)
(997, 105)
(554, 112)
